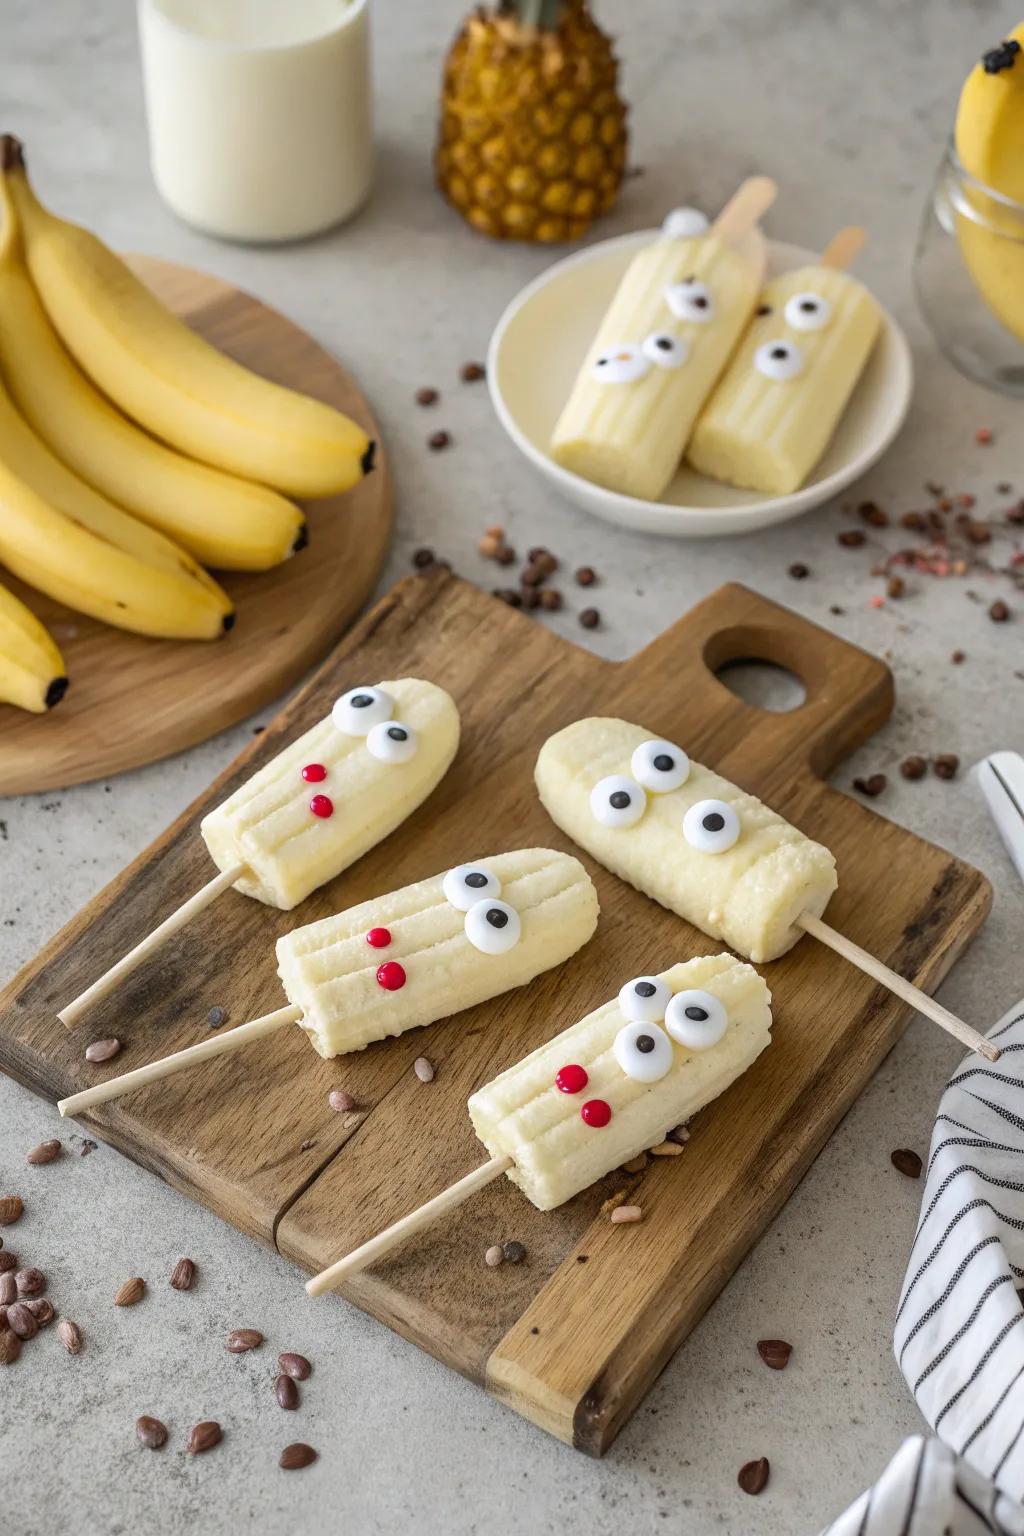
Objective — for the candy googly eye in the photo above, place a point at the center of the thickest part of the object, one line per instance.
(467, 884)
(492, 927)
(392, 742)
(659, 766)
(696, 1020)
(690, 300)
(617, 801)
(711, 826)
(807, 312)
(620, 365)
(359, 710)
(665, 351)
(644, 999)
(779, 360)
(685, 224)
(644, 1052)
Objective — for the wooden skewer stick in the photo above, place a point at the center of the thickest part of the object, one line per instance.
(191, 1056)
(425, 1216)
(898, 984)
(744, 209)
(106, 983)
(844, 247)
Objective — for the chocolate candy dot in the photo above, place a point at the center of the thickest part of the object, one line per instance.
(497, 918)
(645, 1043)
(645, 989)
(695, 1013)
(619, 800)
(713, 822)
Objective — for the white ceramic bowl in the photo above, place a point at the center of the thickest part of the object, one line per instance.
(542, 338)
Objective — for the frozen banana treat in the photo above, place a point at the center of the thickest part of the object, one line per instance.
(336, 791)
(774, 411)
(436, 947)
(667, 334)
(677, 831)
(610, 1086)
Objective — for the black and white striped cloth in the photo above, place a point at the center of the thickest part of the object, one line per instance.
(959, 1334)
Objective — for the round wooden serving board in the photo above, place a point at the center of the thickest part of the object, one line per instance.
(133, 700)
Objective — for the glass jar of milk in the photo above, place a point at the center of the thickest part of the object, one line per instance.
(259, 112)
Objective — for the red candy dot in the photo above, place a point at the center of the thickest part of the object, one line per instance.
(391, 976)
(322, 805)
(571, 1079)
(596, 1112)
(314, 773)
(379, 938)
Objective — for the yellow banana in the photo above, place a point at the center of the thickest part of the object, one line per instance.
(27, 457)
(32, 673)
(61, 556)
(165, 376)
(225, 522)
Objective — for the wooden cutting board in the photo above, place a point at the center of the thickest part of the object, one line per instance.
(574, 1335)
(133, 700)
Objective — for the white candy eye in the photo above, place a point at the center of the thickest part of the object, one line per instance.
(493, 926)
(665, 351)
(690, 300)
(467, 884)
(359, 710)
(696, 1019)
(779, 360)
(644, 999)
(807, 312)
(643, 1051)
(659, 766)
(620, 365)
(617, 801)
(685, 224)
(711, 826)
(392, 742)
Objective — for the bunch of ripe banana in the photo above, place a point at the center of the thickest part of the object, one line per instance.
(132, 453)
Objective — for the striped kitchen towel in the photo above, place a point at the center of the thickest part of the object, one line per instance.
(959, 1335)
(926, 1490)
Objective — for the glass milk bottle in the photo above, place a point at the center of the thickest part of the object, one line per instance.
(259, 112)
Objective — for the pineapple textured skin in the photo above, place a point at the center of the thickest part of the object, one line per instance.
(532, 141)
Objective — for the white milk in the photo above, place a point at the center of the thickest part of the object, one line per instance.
(259, 112)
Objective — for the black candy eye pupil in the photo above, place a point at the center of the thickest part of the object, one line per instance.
(700, 302)
(619, 800)
(664, 343)
(645, 1043)
(713, 822)
(780, 352)
(809, 306)
(497, 918)
(397, 733)
(664, 763)
(645, 989)
(697, 1014)
(362, 701)
(476, 881)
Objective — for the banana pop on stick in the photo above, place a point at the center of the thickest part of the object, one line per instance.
(668, 332)
(775, 409)
(316, 807)
(703, 848)
(603, 1090)
(405, 960)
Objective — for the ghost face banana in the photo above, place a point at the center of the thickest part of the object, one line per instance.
(58, 555)
(24, 454)
(225, 522)
(165, 376)
(32, 673)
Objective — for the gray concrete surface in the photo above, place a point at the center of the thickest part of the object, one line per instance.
(848, 106)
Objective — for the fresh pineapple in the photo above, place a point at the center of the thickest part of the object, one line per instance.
(532, 142)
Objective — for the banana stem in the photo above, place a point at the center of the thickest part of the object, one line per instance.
(12, 153)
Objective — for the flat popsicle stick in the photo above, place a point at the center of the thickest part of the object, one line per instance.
(191, 1056)
(898, 984)
(844, 248)
(105, 984)
(745, 208)
(425, 1216)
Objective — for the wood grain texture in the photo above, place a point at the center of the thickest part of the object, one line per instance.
(133, 700)
(234, 1136)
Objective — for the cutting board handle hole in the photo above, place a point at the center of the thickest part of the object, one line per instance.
(763, 684)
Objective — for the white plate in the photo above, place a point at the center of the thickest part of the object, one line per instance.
(542, 338)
